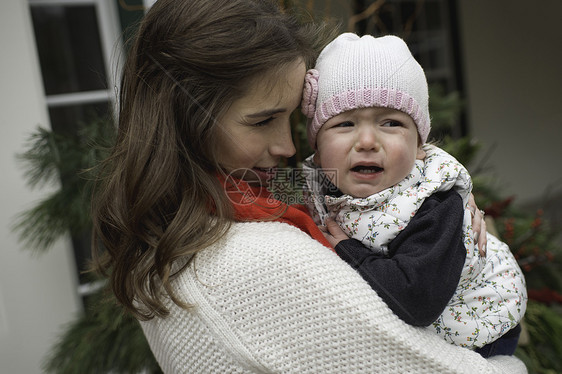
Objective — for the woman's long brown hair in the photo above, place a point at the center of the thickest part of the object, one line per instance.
(158, 199)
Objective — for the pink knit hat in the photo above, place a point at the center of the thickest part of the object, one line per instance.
(353, 72)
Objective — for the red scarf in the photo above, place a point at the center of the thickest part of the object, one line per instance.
(254, 203)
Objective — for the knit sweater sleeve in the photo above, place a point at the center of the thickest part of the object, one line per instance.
(425, 261)
(268, 299)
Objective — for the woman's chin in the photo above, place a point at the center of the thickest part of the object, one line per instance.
(264, 175)
(255, 176)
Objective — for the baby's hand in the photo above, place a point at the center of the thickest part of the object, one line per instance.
(333, 232)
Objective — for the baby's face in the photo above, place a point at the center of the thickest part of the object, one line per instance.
(364, 151)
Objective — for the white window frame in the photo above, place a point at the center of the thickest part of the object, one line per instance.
(111, 46)
(148, 4)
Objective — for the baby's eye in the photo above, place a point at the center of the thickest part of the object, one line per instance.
(392, 123)
(345, 124)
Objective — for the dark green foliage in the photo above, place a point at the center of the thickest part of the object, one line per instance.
(103, 340)
(67, 161)
(444, 109)
(534, 243)
(464, 149)
(544, 352)
(303, 149)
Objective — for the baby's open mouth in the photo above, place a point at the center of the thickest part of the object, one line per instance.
(366, 169)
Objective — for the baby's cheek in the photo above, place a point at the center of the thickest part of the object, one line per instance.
(330, 167)
(407, 163)
(331, 174)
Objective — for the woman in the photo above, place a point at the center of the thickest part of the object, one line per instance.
(222, 282)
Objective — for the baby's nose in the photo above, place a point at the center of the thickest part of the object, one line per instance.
(366, 140)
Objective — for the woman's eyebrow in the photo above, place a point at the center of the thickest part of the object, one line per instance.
(266, 113)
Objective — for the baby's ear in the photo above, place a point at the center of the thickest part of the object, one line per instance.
(421, 153)
(316, 158)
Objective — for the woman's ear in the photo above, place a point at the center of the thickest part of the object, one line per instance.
(421, 153)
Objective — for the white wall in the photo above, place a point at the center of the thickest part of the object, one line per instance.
(513, 74)
(37, 293)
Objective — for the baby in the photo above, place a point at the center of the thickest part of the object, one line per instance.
(403, 201)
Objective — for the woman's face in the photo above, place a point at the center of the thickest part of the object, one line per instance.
(255, 132)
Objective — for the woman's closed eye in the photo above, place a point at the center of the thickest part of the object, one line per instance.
(262, 123)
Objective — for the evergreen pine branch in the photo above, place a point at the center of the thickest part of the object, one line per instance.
(544, 325)
(463, 149)
(42, 160)
(444, 108)
(67, 160)
(51, 218)
(103, 340)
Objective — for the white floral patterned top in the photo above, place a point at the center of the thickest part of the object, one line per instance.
(491, 295)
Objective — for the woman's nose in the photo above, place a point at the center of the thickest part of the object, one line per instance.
(366, 140)
(282, 143)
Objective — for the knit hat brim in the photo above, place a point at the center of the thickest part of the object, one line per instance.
(367, 98)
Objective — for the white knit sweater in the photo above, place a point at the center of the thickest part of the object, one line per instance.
(269, 299)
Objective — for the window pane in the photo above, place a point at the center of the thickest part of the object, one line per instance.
(437, 58)
(69, 48)
(433, 15)
(68, 119)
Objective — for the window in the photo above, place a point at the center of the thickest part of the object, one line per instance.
(429, 28)
(77, 43)
(425, 25)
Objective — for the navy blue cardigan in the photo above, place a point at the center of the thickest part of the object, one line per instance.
(422, 269)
